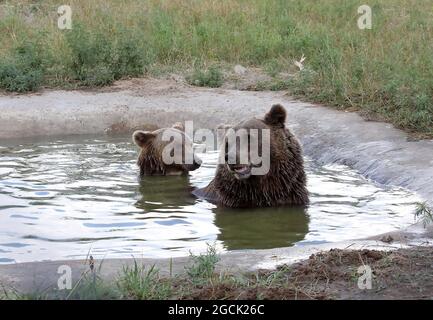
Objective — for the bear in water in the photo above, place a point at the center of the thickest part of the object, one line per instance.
(235, 185)
(153, 145)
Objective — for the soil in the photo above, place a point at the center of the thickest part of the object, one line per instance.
(401, 274)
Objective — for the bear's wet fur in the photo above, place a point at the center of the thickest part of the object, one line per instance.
(150, 161)
(285, 182)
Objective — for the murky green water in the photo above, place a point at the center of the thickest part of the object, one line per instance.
(60, 199)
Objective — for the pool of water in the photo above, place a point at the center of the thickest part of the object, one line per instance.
(63, 198)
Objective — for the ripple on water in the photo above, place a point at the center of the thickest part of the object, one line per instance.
(60, 199)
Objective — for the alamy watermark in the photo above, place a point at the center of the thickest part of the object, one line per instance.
(365, 20)
(64, 22)
(64, 282)
(241, 148)
(365, 278)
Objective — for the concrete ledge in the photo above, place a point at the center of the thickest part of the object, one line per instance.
(35, 276)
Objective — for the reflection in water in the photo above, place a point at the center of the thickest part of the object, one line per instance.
(61, 198)
(263, 228)
(157, 193)
(260, 228)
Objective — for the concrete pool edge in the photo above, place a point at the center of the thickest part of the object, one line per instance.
(31, 277)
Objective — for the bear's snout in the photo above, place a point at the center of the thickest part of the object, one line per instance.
(240, 171)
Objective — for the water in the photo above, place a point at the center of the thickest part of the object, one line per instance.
(61, 199)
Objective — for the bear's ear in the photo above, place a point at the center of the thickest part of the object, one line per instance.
(179, 126)
(142, 137)
(276, 116)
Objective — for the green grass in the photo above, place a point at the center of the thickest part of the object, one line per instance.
(23, 70)
(13, 294)
(423, 213)
(211, 77)
(140, 283)
(202, 267)
(386, 72)
(97, 60)
(322, 276)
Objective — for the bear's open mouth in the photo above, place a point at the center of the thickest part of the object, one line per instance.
(241, 171)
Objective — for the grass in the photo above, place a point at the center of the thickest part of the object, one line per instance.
(379, 72)
(23, 70)
(211, 77)
(325, 275)
(140, 283)
(90, 287)
(424, 213)
(202, 267)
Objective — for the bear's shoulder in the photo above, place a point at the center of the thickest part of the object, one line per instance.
(207, 193)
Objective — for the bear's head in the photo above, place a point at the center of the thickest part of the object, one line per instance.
(157, 147)
(239, 183)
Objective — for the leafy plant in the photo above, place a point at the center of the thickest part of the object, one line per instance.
(203, 266)
(137, 282)
(424, 213)
(212, 78)
(23, 71)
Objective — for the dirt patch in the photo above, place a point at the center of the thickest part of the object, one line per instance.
(331, 265)
(247, 79)
(231, 292)
(401, 274)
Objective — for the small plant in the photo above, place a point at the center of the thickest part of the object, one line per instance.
(23, 72)
(212, 78)
(278, 277)
(203, 266)
(98, 59)
(11, 293)
(91, 55)
(128, 60)
(138, 283)
(423, 213)
(93, 287)
(273, 67)
(14, 78)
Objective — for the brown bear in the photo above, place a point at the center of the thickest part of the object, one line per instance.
(152, 144)
(283, 184)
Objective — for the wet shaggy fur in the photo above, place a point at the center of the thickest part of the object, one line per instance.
(150, 161)
(284, 184)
